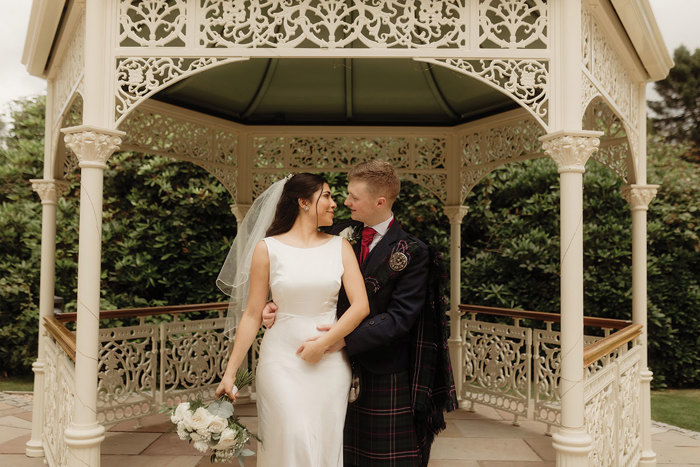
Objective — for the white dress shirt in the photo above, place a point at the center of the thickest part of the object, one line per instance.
(381, 229)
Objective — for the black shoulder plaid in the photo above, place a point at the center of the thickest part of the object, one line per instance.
(432, 383)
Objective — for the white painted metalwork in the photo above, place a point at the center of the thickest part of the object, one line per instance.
(59, 397)
(611, 411)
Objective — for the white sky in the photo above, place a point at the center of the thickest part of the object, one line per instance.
(677, 19)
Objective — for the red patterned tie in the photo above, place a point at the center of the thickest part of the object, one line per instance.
(368, 234)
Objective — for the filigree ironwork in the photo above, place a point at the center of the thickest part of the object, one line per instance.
(139, 77)
(193, 358)
(69, 74)
(526, 81)
(152, 23)
(127, 372)
(496, 365)
(333, 24)
(511, 24)
(59, 399)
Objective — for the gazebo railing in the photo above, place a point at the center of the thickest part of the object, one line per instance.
(58, 391)
(515, 368)
(143, 366)
(509, 366)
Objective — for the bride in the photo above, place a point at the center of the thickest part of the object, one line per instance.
(302, 381)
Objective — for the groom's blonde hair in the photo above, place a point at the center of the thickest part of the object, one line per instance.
(380, 177)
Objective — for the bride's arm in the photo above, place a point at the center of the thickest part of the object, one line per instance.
(313, 350)
(252, 316)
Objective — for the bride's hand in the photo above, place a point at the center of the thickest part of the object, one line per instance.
(227, 386)
(312, 350)
(335, 347)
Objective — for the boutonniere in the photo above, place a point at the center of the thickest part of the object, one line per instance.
(349, 234)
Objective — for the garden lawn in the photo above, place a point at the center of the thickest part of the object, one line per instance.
(678, 407)
(17, 383)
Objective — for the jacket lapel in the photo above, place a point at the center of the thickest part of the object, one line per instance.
(381, 249)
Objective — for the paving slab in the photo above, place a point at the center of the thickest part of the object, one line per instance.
(452, 463)
(543, 447)
(20, 460)
(520, 464)
(127, 442)
(157, 423)
(148, 461)
(505, 449)
(15, 422)
(16, 445)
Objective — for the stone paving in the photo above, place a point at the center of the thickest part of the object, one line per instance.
(484, 438)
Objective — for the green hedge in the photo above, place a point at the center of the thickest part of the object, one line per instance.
(167, 229)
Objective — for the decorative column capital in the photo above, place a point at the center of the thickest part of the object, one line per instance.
(571, 150)
(49, 190)
(639, 196)
(455, 213)
(240, 210)
(92, 145)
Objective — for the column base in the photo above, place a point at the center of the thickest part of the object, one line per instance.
(648, 459)
(34, 448)
(572, 446)
(83, 443)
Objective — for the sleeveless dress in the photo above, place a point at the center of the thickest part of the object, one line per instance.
(301, 406)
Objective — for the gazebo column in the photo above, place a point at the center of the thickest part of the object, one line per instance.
(456, 214)
(639, 197)
(570, 151)
(49, 191)
(93, 146)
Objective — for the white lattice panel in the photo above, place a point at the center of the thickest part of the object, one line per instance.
(59, 398)
(127, 372)
(612, 411)
(193, 358)
(496, 365)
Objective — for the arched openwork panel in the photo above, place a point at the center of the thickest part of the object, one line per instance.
(138, 78)
(66, 161)
(68, 75)
(209, 145)
(525, 81)
(493, 144)
(615, 150)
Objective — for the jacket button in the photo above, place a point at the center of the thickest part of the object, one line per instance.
(371, 323)
(383, 318)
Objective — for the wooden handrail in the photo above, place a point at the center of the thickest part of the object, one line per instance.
(605, 323)
(156, 310)
(606, 345)
(63, 337)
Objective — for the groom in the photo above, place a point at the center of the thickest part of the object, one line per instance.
(380, 427)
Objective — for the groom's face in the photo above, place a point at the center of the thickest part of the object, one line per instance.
(362, 204)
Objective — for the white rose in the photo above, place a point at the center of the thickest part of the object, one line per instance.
(186, 421)
(217, 424)
(228, 438)
(201, 446)
(179, 412)
(200, 419)
(182, 433)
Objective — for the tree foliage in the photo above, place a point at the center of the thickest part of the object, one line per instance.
(167, 228)
(678, 113)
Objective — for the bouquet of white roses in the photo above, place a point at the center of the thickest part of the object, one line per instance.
(214, 426)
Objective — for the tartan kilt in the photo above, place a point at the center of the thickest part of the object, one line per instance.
(379, 428)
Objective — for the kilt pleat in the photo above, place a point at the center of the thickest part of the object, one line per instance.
(379, 427)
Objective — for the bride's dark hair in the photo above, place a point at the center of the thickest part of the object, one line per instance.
(300, 186)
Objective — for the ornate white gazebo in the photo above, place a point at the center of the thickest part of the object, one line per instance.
(448, 90)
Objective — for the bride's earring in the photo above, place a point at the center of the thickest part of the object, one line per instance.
(306, 209)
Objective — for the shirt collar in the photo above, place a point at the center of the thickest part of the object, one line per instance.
(382, 227)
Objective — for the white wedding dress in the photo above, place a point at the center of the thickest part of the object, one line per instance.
(301, 406)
